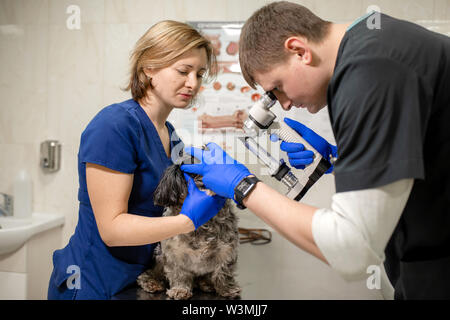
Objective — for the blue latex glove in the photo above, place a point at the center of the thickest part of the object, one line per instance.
(221, 173)
(198, 206)
(298, 156)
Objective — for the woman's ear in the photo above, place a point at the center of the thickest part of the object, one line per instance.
(299, 46)
(148, 72)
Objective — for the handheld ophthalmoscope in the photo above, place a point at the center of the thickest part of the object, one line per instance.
(261, 118)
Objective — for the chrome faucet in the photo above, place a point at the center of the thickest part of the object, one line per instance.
(6, 205)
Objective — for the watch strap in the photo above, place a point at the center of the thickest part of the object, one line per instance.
(239, 195)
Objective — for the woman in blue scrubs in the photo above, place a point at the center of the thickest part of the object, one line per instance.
(123, 153)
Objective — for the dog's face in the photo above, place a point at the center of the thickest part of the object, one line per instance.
(172, 188)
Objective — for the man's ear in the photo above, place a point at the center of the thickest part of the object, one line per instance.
(299, 46)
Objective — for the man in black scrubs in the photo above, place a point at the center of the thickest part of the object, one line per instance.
(388, 96)
(389, 103)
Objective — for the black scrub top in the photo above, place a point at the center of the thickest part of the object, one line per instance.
(389, 105)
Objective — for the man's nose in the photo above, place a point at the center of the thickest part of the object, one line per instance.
(283, 100)
(286, 104)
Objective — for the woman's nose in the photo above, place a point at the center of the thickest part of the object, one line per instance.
(192, 81)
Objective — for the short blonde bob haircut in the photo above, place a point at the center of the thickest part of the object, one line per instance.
(160, 47)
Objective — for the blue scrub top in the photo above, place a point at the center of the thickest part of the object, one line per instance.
(121, 137)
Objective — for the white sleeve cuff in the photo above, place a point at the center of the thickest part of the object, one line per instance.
(343, 245)
(353, 234)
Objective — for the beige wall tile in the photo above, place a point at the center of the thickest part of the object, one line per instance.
(119, 43)
(91, 11)
(439, 26)
(76, 54)
(143, 11)
(442, 9)
(410, 10)
(113, 94)
(337, 10)
(210, 10)
(24, 12)
(237, 10)
(6, 113)
(23, 82)
(75, 79)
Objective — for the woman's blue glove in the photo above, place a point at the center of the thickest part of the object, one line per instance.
(198, 206)
(221, 173)
(298, 156)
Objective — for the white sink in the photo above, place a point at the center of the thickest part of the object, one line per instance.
(15, 232)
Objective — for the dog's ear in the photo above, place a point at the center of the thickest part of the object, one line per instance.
(172, 188)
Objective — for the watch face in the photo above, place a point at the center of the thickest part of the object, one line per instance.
(243, 186)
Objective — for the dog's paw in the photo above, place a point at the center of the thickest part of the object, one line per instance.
(149, 284)
(179, 293)
(230, 293)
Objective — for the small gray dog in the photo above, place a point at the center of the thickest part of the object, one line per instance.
(205, 258)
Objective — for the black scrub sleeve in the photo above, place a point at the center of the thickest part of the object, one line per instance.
(375, 109)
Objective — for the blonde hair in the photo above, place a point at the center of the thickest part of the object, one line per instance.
(160, 47)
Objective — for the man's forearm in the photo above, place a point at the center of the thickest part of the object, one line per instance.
(292, 219)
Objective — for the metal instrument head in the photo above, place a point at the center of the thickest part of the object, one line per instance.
(260, 116)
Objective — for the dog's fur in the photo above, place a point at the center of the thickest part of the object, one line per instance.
(205, 258)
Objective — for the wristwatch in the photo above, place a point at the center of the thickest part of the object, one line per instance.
(243, 189)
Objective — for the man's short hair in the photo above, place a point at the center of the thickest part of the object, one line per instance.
(261, 45)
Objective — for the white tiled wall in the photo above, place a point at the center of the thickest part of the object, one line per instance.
(54, 80)
(17, 284)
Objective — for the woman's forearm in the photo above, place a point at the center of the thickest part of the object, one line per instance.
(133, 230)
(292, 219)
(109, 193)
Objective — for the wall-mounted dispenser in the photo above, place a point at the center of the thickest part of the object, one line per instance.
(50, 155)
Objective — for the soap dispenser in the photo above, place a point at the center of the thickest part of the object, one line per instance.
(23, 195)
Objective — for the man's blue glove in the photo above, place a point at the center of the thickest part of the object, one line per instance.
(298, 156)
(221, 173)
(198, 206)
